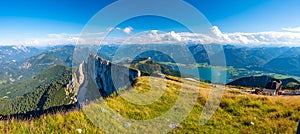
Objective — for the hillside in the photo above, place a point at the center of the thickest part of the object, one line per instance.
(33, 96)
(289, 65)
(31, 66)
(234, 115)
(45, 78)
(260, 81)
(49, 89)
(149, 66)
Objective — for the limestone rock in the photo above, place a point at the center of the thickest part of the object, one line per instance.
(99, 76)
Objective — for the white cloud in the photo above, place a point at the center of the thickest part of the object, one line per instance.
(265, 38)
(217, 37)
(155, 37)
(217, 32)
(127, 30)
(175, 36)
(289, 37)
(154, 31)
(57, 39)
(295, 29)
(63, 35)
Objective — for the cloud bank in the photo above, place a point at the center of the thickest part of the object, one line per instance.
(286, 37)
(296, 29)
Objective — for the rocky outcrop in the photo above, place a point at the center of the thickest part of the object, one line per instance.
(98, 77)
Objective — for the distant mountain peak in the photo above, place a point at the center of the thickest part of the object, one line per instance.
(21, 48)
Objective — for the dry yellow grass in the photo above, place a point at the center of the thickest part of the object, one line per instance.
(238, 112)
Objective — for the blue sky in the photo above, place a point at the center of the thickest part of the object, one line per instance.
(250, 15)
(22, 20)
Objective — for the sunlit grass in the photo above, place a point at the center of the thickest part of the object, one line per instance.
(58, 123)
(238, 112)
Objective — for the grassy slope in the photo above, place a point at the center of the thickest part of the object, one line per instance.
(58, 123)
(236, 111)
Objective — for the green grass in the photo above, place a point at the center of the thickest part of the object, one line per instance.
(270, 114)
(2, 82)
(59, 123)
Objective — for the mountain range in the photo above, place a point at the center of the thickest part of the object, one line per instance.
(29, 61)
(42, 78)
(21, 62)
(281, 60)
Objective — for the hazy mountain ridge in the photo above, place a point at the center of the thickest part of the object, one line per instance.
(37, 63)
(267, 59)
(282, 60)
(284, 65)
(10, 55)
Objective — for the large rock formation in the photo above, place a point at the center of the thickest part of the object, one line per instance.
(98, 77)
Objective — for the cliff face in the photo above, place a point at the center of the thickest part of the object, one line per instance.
(98, 77)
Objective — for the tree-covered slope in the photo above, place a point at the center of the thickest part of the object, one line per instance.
(36, 64)
(37, 94)
(149, 66)
(261, 81)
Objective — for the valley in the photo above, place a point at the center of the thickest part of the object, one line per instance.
(238, 112)
(149, 67)
(56, 89)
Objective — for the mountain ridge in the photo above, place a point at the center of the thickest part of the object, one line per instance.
(260, 81)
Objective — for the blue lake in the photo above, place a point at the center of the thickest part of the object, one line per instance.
(215, 75)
